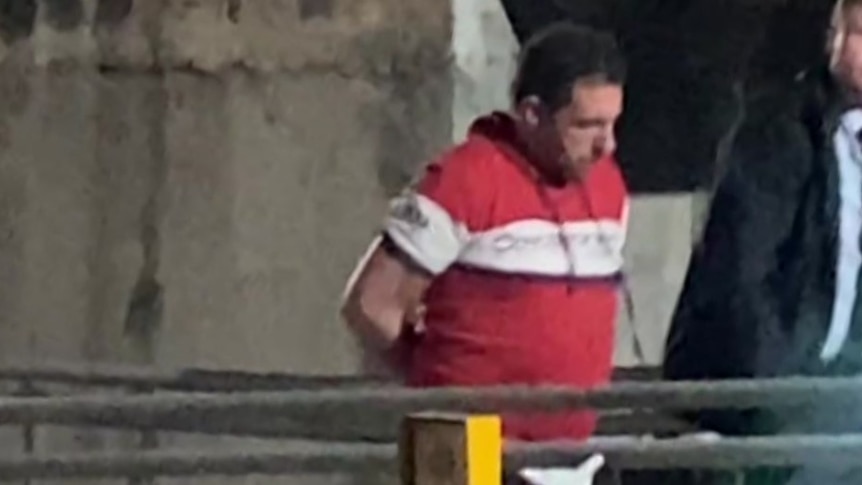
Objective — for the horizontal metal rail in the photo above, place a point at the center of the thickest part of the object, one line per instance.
(642, 422)
(189, 380)
(821, 451)
(353, 413)
(207, 380)
(374, 429)
(371, 426)
(313, 459)
(728, 394)
(631, 454)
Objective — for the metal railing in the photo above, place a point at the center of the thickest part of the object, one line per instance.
(347, 413)
(726, 454)
(206, 380)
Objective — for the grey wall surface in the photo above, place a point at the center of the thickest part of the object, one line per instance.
(189, 183)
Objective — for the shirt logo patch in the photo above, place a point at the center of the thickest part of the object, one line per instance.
(406, 209)
(511, 242)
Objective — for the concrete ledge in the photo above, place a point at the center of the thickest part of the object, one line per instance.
(352, 37)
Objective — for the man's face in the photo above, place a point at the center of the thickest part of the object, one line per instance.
(569, 141)
(585, 126)
(846, 46)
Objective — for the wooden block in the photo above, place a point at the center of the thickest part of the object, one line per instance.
(451, 449)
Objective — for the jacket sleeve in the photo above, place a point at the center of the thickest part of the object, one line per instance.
(726, 312)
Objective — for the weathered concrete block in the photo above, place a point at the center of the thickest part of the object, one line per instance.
(79, 164)
(353, 37)
(61, 32)
(15, 86)
(17, 20)
(657, 252)
(290, 185)
(197, 254)
(372, 38)
(485, 50)
(197, 35)
(55, 165)
(75, 176)
(152, 213)
(128, 192)
(127, 33)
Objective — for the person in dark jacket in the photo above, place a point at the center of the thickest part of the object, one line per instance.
(772, 288)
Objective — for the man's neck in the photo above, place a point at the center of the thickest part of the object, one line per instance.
(544, 171)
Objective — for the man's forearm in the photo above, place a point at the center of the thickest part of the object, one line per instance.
(379, 336)
(376, 329)
(383, 300)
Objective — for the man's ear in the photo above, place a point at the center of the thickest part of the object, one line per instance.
(529, 109)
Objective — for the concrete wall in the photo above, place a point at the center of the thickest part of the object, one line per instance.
(485, 60)
(189, 183)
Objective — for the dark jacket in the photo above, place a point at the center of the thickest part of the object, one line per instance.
(757, 299)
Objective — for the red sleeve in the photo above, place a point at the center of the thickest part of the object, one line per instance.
(431, 220)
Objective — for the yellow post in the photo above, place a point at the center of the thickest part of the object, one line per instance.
(451, 449)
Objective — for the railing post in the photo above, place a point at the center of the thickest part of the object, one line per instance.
(28, 431)
(451, 449)
(148, 439)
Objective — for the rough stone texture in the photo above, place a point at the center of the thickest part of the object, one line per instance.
(189, 183)
(485, 51)
(661, 238)
(252, 207)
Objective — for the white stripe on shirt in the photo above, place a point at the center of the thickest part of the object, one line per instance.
(849, 155)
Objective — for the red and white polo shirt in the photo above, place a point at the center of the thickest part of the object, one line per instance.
(526, 274)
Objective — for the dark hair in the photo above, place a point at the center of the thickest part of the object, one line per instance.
(557, 57)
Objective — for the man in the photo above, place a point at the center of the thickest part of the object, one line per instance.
(772, 289)
(500, 265)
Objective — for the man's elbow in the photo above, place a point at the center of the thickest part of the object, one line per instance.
(352, 312)
(371, 320)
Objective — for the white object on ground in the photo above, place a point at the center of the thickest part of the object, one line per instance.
(703, 437)
(581, 475)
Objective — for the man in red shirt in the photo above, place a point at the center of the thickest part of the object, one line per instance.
(501, 265)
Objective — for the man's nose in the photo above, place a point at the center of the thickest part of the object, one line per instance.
(606, 144)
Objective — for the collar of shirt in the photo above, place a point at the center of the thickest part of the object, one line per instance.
(851, 125)
(851, 120)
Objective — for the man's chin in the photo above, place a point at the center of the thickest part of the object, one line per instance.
(579, 170)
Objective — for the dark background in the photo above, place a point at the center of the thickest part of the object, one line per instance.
(692, 64)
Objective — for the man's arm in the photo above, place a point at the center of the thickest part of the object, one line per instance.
(423, 233)
(384, 298)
